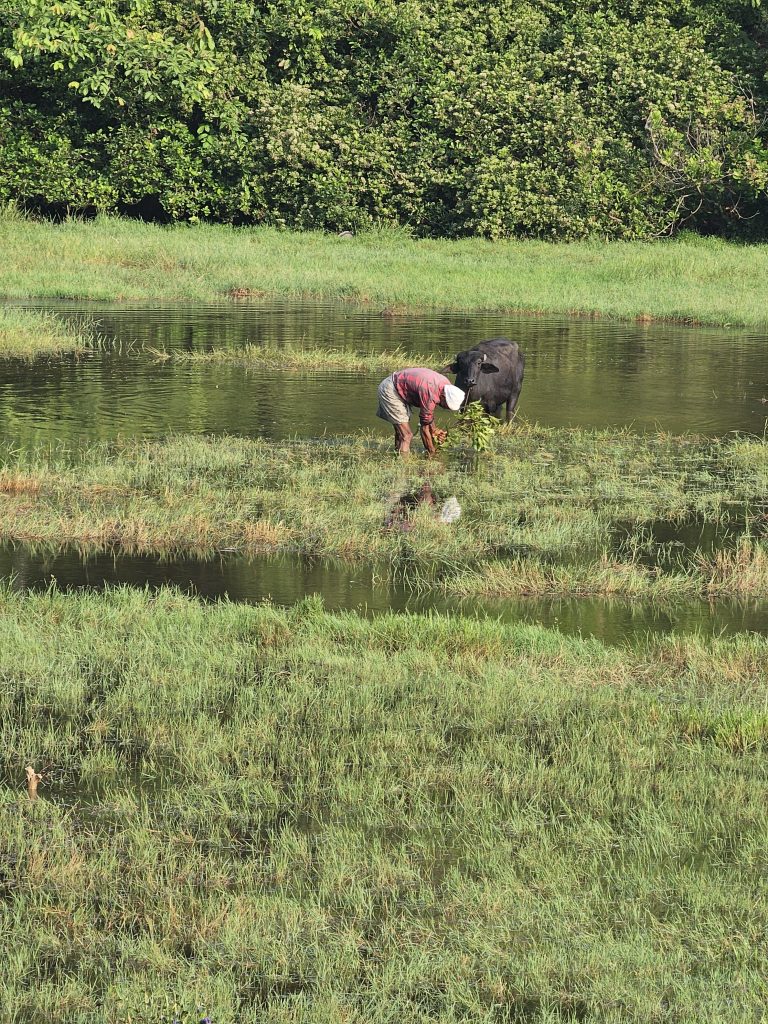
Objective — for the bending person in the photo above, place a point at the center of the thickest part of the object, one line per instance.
(423, 389)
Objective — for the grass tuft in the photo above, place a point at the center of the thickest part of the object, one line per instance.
(25, 334)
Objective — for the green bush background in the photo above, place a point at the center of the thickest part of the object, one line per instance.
(618, 119)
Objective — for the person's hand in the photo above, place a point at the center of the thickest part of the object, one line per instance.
(439, 436)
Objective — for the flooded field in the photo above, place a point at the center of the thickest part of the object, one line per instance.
(287, 579)
(578, 373)
(289, 786)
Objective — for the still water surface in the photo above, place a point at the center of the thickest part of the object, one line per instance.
(578, 373)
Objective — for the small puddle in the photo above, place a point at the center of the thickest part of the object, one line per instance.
(286, 579)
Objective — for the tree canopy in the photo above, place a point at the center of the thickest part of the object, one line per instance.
(542, 118)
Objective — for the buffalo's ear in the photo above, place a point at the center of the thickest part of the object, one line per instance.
(489, 368)
(450, 368)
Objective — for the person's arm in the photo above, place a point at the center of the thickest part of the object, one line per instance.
(429, 398)
(427, 403)
(428, 437)
(427, 422)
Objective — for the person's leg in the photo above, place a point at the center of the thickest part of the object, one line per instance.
(394, 410)
(403, 438)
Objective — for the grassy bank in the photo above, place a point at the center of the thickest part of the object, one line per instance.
(28, 335)
(549, 512)
(248, 814)
(689, 279)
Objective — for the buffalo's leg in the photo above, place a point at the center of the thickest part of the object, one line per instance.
(516, 389)
(511, 404)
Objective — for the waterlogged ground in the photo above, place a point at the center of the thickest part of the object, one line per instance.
(547, 513)
(319, 814)
(649, 376)
(579, 373)
(286, 579)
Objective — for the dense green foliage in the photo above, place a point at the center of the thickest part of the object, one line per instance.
(473, 427)
(620, 118)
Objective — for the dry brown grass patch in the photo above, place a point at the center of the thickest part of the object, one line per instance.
(265, 534)
(246, 293)
(18, 483)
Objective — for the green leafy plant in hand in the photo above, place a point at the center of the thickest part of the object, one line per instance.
(474, 427)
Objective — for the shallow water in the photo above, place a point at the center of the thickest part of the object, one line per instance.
(286, 579)
(578, 373)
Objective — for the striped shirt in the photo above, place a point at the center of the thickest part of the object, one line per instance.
(421, 387)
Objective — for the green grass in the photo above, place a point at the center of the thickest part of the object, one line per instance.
(311, 358)
(548, 512)
(688, 279)
(28, 335)
(266, 815)
(297, 817)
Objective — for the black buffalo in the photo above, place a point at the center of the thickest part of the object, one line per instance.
(491, 373)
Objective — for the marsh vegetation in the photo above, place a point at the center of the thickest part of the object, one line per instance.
(301, 816)
(27, 335)
(308, 358)
(309, 816)
(547, 512)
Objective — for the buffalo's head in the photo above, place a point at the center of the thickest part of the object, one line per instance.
(468, 366)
